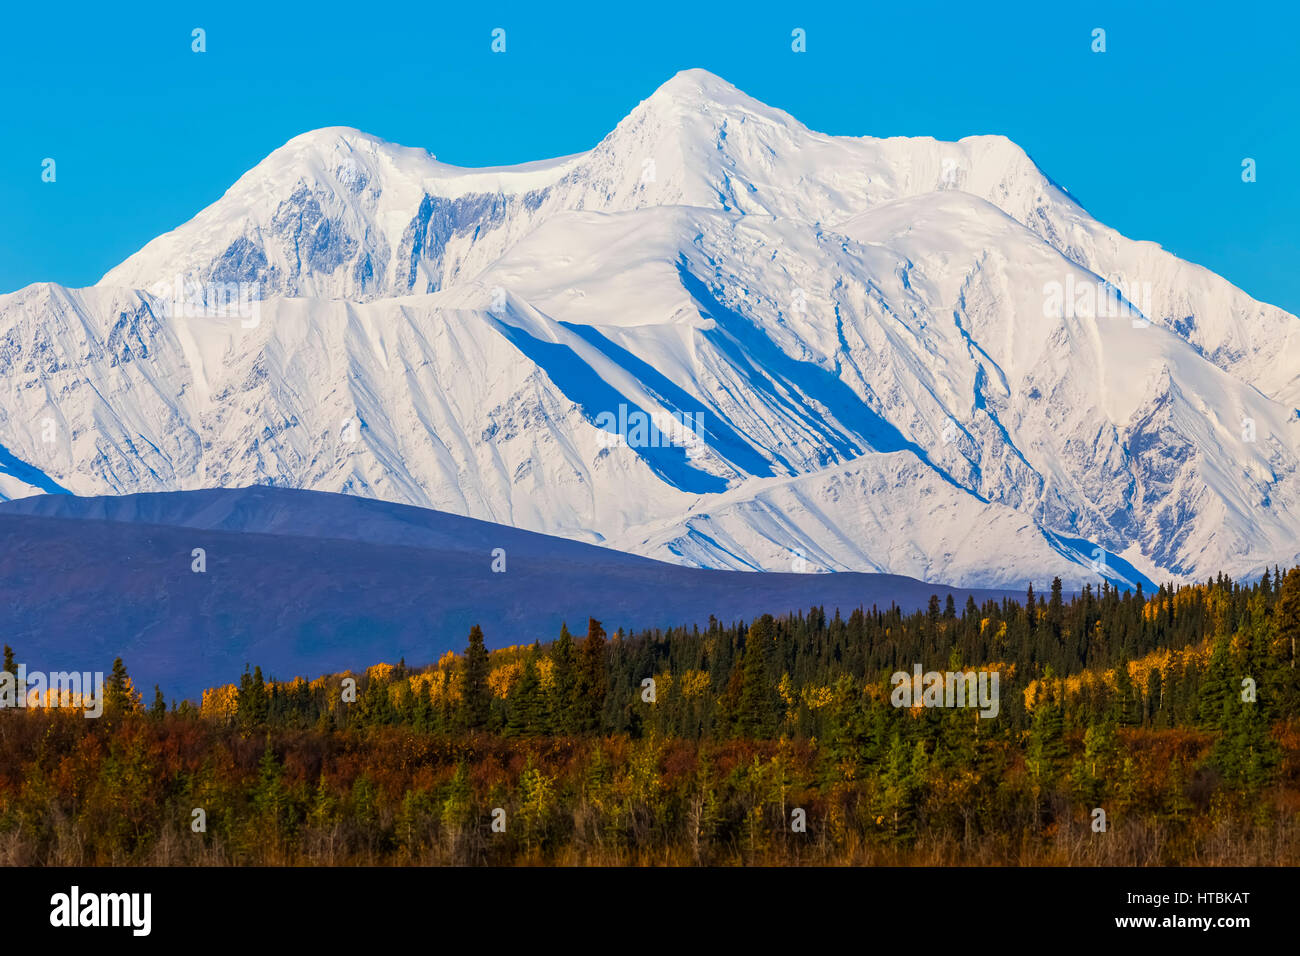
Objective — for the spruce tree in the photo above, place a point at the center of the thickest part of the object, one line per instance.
(121, 698)
(158, 709)
(755, 709)
(1286, 615)
(1047, 748)
(270, 797)
(592, 679)
(423, 716)
(1125, 711)
(251, 703)
(526, 715)
(476, 699)
(1056, 613)
(375, 708)
(564, 689)
(900, 784)
(1217, 688)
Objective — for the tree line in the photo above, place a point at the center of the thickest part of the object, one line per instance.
(1173, 714)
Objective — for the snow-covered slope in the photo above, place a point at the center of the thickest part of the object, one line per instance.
(900, 355)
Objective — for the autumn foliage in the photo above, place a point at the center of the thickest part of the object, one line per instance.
(1175, 714)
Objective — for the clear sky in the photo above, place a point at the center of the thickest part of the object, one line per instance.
(1149, 136)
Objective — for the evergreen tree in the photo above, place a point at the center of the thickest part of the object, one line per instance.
(592, 679)
(476, 698)
(158, 709)
(755, 717)
(251, 700)
(403, 707)
(1153, 702)
(899, 789)
(271, 798)
(1047, 749)
(564, 691)
(1097, 765)
(1286, 615)
(1125, 709)
(423, 715)
(932, 615)
(121, 695)
(526, 715)
(1245, 753)
(1056, 613)
(1217, 688)
(447, 713)
(375, 708)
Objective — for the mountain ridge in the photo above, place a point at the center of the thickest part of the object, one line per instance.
(355, 582)
(861, 325)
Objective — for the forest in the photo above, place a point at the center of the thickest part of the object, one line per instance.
(1132, 729)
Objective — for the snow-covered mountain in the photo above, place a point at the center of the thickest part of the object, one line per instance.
(899, 355)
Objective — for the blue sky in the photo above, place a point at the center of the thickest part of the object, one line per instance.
(1149, 136)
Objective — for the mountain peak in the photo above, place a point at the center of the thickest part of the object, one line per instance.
(696, 91)
(346, 151)
(695, 85)
(327, 137)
